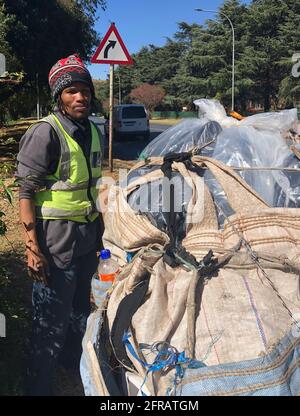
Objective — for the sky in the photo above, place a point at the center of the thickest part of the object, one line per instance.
(144, 22)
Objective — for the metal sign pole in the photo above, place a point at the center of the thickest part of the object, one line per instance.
(112, 51)
(111, 105)
(120, 97)
(38, 97)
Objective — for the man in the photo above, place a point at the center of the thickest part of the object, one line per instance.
(59, 163)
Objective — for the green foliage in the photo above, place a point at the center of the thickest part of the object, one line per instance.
(5, 22)
(198, 61)
(265, 47)
(90, 7)
(50, 30)
(9, 85)
(7, 168)
(6, 194)
(289, 90)
(102, 94)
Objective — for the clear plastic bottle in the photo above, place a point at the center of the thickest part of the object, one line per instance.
(107, 272)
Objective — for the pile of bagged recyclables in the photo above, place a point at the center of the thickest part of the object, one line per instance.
(255, 142)
(206, 227)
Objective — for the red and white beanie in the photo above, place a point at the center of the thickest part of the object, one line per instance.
(67, 71)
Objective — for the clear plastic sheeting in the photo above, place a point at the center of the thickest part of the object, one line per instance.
(183, 137)
(153, 199)
(281, 121)
(254, 144)
(223, 209)
(289, 196)
(135, 174)
(246, 147)
(214, 111)
(250, 148)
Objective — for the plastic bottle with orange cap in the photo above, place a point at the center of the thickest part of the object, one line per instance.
(108, 270)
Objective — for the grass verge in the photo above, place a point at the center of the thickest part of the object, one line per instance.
(167, 121)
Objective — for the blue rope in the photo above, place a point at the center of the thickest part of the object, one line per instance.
(165, 358)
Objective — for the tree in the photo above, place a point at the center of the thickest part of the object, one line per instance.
(271, 39)
(50, 30)
(8, 86)
(149, 95)
(198, 61)
(195, 63)
(190, 80)
(125, 74)
(208, 60)
(102, 94)
(289, 89)
(5, 21)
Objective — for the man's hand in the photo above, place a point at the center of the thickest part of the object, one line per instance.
(38, 268)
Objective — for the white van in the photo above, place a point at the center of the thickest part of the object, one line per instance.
(129, 120)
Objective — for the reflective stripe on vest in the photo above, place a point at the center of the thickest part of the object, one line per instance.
(65, 186)
(53, 212)
(64, 149)
(67, 191)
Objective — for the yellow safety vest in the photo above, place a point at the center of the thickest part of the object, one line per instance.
(71, 191)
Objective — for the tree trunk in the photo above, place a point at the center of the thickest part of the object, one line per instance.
(267, 93)
(267, 100)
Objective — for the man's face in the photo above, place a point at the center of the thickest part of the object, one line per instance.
(76, 100)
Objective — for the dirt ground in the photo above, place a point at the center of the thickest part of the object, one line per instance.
(15, 298)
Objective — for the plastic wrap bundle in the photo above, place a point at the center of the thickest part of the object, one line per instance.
(281, 121)
(255, 143)
(293, 196)
(183, 137)
(214, 111)
(247, 147)
(153, 199)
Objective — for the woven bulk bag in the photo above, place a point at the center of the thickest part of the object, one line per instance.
(221, 297)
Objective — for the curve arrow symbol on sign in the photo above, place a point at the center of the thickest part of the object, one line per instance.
(111, 49)
(111, 44)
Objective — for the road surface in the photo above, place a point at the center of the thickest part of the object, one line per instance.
(129, 149)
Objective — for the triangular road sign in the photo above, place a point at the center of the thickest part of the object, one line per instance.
(112, 49)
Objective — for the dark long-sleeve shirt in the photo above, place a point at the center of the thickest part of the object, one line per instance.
(60, 240)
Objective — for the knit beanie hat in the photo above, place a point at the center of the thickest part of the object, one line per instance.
(67, 71)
